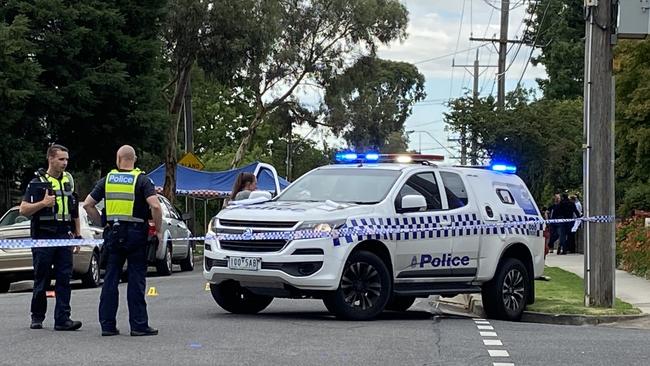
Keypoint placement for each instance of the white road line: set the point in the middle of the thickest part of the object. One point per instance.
(502, 364)
(498, 353)
(492, 342)
(485, 327)
(475, 319)
(481, 322)
(488, 334)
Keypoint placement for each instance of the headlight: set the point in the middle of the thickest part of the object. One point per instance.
(212, 225)
(322, 226)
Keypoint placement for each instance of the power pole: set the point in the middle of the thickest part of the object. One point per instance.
(503, 51)
(463, 131)
(599, 154)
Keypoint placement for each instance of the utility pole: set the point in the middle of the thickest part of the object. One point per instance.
(463, 131)
(599, 154)
(503, 50)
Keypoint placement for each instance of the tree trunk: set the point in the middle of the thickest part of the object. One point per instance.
(248, 138)
(171, 160)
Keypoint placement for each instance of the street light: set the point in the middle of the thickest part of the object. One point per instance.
(451, 155)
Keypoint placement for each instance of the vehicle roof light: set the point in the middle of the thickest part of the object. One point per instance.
(403, 159)
(504, 168)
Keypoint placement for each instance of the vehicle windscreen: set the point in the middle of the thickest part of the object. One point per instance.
(362, 186)
(9, 218)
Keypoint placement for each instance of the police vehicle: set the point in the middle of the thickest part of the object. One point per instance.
(440, 230)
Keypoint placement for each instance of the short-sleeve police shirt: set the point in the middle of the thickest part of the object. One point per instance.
(144, 188)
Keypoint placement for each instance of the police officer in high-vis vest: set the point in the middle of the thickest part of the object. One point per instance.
(130, 200)
(51, 202)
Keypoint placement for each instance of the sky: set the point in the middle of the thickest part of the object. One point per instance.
(438, 34)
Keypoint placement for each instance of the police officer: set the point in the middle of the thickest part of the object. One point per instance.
(128, 195)
(50, 200)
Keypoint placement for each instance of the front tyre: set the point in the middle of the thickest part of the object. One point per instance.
(504, 297)
(238, 300)
(364, 290)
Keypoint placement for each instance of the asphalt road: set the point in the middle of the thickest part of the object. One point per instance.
(195, 331)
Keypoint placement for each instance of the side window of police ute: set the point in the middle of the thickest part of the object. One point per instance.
(455, 190)
(423, 184)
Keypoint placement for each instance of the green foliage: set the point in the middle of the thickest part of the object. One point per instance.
(99, 81)
(273, 47)
(18, 85)
(633, 247)
(371, 100)
(558, 30)
(541, 137)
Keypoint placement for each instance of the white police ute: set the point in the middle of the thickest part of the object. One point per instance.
(381, 231)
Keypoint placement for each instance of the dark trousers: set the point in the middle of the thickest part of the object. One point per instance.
(564, 232)
(132, 248)
(555, 235)
(43, 259)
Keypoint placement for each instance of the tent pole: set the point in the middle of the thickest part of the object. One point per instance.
(205, 216)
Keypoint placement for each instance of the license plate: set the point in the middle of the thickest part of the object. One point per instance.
(244, 263)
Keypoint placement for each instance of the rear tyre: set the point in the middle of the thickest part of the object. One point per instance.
(164, 266)
(364, 290)
(400, 303)
(238, 300)
(188, 263)
(91, 278)
(504, 297)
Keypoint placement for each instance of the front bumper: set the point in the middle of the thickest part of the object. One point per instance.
(302, 271)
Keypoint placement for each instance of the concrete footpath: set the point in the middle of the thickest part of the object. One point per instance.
(629, 288)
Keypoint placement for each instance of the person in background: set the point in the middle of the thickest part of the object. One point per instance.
(241, 190)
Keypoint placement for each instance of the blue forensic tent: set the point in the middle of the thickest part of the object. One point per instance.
(207, 185)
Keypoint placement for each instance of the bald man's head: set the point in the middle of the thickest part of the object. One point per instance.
(126, 157)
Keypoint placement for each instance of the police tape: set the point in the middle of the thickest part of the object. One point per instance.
(345, 232)
(45, 243)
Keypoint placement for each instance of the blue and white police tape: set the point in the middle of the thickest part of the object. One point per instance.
(44, 243)
(345, 232)
(383, 230)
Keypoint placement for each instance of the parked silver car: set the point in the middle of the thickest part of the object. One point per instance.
(16, 264)
(176, 251)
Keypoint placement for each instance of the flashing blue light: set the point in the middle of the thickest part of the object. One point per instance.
(352, 157)
(372, 157)
(504, 168)
(346, 157)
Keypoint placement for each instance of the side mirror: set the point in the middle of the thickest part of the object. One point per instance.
(413, 203)
(262, 194)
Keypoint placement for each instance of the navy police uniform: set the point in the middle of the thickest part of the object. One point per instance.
(125, 237)
(52, 223)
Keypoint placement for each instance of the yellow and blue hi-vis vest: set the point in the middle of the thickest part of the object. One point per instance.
(120, 195)
(63, 190)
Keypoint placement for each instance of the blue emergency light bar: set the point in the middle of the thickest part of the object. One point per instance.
(348, 157)
(504, 168)
(352, 157)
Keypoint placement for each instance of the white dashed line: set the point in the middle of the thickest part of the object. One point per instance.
(488, 334)
(492, 342)
(484, 325)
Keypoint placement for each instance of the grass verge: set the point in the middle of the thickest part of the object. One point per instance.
(564, 294)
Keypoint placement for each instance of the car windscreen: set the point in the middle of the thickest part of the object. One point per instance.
(362, 186)
(9, 218)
